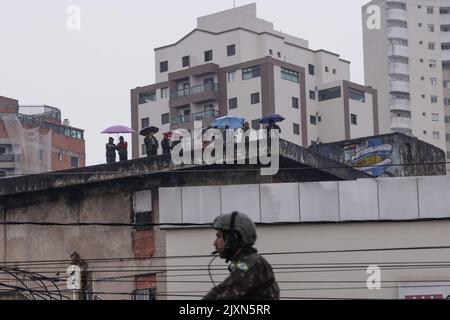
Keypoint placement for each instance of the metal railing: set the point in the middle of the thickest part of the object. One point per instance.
(6, 157)
(186, 92)
(205, 114)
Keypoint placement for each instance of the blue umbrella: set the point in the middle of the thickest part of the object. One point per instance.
(274, 117)
(230, 121)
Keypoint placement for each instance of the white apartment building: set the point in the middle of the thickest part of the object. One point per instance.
(407, 58)
(234, 63)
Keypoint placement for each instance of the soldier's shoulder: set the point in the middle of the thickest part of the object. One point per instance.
(250, 262)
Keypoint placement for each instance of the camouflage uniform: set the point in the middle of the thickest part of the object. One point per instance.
(251, 278)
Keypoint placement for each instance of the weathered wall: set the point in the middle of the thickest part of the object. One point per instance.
(392, 155)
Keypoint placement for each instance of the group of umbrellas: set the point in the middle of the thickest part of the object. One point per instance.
(229, 121)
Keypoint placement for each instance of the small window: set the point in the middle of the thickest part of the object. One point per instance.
(186, 61)
(279, 54)
(231, 50)
(447, 119)
(436, 135)
(431, 45)
(421, 60)
(232, 76)
(354, 119)
(165, 118)
(447, 137)
(208, 55)
(334, 71)
(295, 103)
(421, 42)
(74, 162)
(446, 101)
(290, 75)
(434, 99)
(254, 98)
(312, 95)
(311, 69)
(145, 122)
(250, 73)
(326, 69)
(446, 84)
(433, 81)
(435, 117)
(296, 129)
(431, 27)
(271, 52)
(163, 66)
(312, 120)
(59, 157)
(232, 103)
(420, 25)
(430, 10)
(423, 96)
(144, 294)
(357, 95)
(422, 78)
(164, 93)
(432, 63)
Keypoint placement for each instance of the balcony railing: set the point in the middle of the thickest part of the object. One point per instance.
(6, 157)
(180, 119)
(194, 90)
(205, 114)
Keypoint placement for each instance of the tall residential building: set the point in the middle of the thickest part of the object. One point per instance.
(407, 58)
(33, 139)
(234, 63)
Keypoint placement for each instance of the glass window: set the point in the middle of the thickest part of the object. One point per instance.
(290, 75)
(186, 61)
(312, 95)
(447, 119)
(208, 55)
(144, 294)
(354, 119)
(311, 69)
(447, 137)
(163, 66)
(356, 95)
(232, 103)
(164, 93)
(434, 99)
(145, 122)
(231, 50)
(254, 98)
(312, 120)
(74, 162)
(165, 118)
(295, 102)
(436, 135)
(328, 94)
(232, 76)
(435, 117)
(255, 124)
(431, 45)
(252, 72)
(296, 129)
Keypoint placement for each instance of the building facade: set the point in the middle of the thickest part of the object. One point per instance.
(407, 58)
(34, 140)
(234, 63)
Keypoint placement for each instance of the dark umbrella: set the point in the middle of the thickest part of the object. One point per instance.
(148, 130)
(274, 117)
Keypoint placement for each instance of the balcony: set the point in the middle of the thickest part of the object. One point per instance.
(6, 157)
(210, 87)
(398, 68)
(180, 120)
(397, 50)
(399, 86)
(397, 32)
(400, 105)
(401, 123)
(205, 114)
(396, 14)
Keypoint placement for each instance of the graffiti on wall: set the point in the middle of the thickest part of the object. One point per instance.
(371, 156)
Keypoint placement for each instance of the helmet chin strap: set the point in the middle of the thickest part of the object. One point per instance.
(231, 241)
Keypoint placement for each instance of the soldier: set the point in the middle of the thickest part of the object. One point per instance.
(111, 151)
(251, 276)
(151, 145)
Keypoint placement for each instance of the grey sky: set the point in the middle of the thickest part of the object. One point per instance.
(88, 73)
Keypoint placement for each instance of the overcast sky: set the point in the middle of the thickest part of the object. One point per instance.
(88, 73)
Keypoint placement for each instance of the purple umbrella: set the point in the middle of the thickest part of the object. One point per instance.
(118, 129)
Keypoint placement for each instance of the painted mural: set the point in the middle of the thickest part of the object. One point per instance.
(372, 156)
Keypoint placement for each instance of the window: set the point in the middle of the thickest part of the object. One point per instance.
(271, 52)
(436, 135)
(448, 157)
(232, 103)
(447, 119)
(433, 81)
(145, 122)
(254, 98)
(311, 69)
(421, 60)
(163, 66)
(144, 294)
(445, 28)
(290, 75)
(422, 78)
(400, 42)
(147, 97)
(354, 119)
(186, 61)
(432, 63)
(447, 137)
(208, 55)
(164, 93)
(445, 46)
(312, 120)
(334, 71)
(395, 59)
(231, 50)
(446, 84)
(420, 25)
(425, 132)
(279, 54)
(296, 129)
(252, 72)
(430, 10)
(326, 69)
(446, 101)
(312, 95)
(434, 99)
(328, 94)
(59, 157)
(431, 27)
(431, 45)
(165, 118)
(255, 124)
(444, 11)
(435, 117)
(232, 76)
(295, 103)
(421, 42)
(356, 95)
(73, 162)
(446, 65)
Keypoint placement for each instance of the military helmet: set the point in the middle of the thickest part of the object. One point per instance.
(243, 225)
